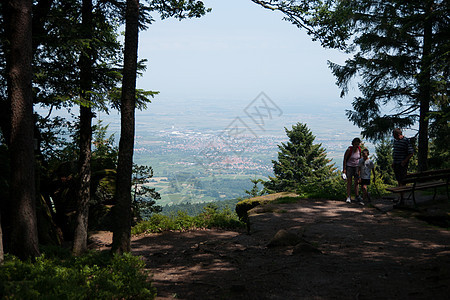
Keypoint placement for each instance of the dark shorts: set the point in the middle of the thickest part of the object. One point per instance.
(365, 181)
(351, 172)
(400, 172)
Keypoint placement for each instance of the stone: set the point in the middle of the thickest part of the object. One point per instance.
(304, 248)
(284, 238)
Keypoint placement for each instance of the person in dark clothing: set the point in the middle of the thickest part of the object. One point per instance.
(402, 153)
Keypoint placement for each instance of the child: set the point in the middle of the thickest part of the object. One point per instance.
(364, 168)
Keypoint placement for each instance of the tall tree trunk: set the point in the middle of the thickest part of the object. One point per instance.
(2, 257)
(40, 12)
(24, 234)
(122, 209)
(84, 163)
(425, 89)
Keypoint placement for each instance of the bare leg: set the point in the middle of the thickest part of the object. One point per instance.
(349, 186)
(365, 194)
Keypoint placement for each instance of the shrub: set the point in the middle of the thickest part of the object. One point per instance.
(210, 217)
(213, 217)
(334, 188)
(96, 275)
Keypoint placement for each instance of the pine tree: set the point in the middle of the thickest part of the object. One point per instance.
(384, 161)
(301, 164)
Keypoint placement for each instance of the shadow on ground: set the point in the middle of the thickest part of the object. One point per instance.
(366, 253)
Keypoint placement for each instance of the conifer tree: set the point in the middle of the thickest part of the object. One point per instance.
(301, 164)
(384, 161)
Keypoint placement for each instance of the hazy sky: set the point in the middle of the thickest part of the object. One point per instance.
(235, 52)
(211, 68)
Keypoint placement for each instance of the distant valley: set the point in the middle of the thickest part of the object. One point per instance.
(204, 150)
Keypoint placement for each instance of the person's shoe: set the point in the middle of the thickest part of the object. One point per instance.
(358, 198)
(348, 200)
(360, 202)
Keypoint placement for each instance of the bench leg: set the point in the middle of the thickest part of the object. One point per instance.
(448, 195)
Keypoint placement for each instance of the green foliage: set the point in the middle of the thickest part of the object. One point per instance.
(211, 217)
(383, 161)
(207, 186)
(377, 187)
(104, 151)
(302, 166)
(332, 188)
(316, 18)
(144, 197)
(61, 44)
(179, 9)
(391, 63)
(440, 136)
(400, 59)
(96, 275)
(193, 209)
(256, 191)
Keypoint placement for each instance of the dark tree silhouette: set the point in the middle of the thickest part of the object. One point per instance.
(122, 209)
(84, 160)
(24, 234)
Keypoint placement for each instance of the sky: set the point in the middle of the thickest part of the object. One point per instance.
(232, 54)
(222, 61)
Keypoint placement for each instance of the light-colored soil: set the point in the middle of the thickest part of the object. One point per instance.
(366, 253)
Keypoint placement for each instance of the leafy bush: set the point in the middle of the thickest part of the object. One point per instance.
(96, 275)
(334, 188)
(209, 218)
(377, 187)
(213, 217)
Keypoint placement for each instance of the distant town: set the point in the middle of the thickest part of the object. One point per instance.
(202, 166)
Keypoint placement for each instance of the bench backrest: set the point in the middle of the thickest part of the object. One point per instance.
(428, 176)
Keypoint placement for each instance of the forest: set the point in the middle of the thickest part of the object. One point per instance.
(59, 55)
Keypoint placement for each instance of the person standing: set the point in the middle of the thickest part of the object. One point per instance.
(365, 167)
(350, 166)
(401, 154)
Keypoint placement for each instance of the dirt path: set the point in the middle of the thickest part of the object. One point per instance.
(365, 254)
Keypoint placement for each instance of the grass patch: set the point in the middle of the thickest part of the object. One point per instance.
(242, 207)
(286, 200)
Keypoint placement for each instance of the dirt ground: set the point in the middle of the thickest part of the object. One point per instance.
(362, 252)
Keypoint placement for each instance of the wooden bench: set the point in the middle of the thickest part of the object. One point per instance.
(422, 181)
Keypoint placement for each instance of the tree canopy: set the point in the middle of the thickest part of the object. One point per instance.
(74, 56)
(400, 53)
